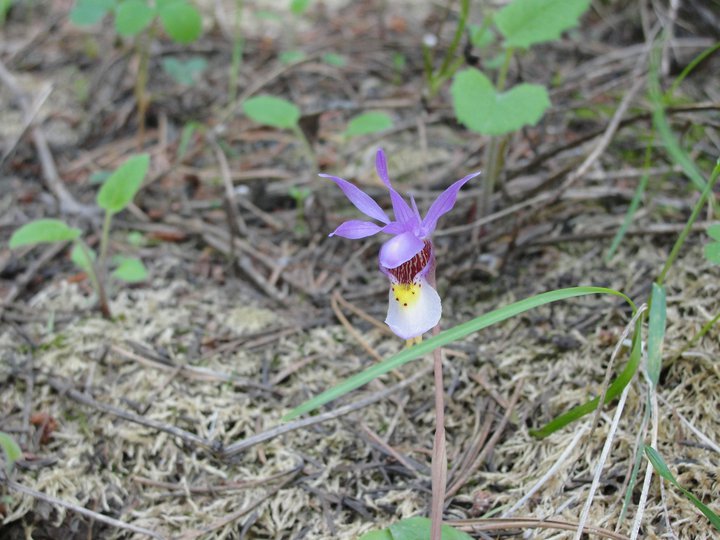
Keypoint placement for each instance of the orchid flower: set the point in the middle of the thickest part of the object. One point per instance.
(408, 258)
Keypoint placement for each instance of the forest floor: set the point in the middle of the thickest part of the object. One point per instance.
(166, 417)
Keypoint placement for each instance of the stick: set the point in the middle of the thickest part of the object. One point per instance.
(84, 511)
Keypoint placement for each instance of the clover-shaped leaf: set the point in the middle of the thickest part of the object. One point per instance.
(482, 109)
(132, 17)
(181, 20)
(527, 22)
(184, 72)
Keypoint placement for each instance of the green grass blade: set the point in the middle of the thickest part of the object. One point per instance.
(634, 204)
(662, 469)
(656, 333)
(444, 338)
(614, 390)
(663, 129)
(689, 68)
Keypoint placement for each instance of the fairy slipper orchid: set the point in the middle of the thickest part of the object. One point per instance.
(408, 258)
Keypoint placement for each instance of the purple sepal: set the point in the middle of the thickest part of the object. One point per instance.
(403, 212)
(360, 199)
(355, 229)
(443, 204)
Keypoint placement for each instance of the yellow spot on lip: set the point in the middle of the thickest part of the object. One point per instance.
(406, 294)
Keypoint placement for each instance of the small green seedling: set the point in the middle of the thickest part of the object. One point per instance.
(416, 528)
(115, 194)
(368, 123)
(138, 19)
(488, 108)
(300, 195)
(184, 72)
(11, 450)
(278, 113)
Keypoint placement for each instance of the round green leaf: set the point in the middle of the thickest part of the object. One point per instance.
(181, 21)
(132, 17)
(482, 109)
(120, 189)
(272, 111)
(369, 122)
(130, 270)
(43, 231)
(526, 22)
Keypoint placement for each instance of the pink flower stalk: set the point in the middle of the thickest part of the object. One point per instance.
(408, 258)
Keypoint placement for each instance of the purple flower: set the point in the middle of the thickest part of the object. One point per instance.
(407, 259)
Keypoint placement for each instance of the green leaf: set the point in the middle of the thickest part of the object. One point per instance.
(369, 122)
(662, 126)
(185, 137)
(482, 109)
(122, 186)
(377, 535)
(42, 231)
(272, 111)
(481, 36)
(527, 22)
(89, 12)
(444, 338)
(712, 252)
(656, 333)
(714, 231)
(662, 469)
(132, 17)
(79, 256)
(334, 59)
(290, 57)
(181, 21)
(613, 391)
(298, 7)
(416, 528)
(11, 449)
(130, 270)
(186, 72)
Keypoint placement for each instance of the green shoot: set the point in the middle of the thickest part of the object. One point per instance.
(116, 193)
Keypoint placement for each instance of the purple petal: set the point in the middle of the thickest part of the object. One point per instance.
(360, 199)
(443, 204)
(400, 249)
(381, 166)
(403, 212)
(395, 228)
(355, 228)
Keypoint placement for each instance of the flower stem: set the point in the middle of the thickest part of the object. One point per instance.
(143, 42)
(307, 147)
(439, 455)
(96, 281)
(237, 51)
